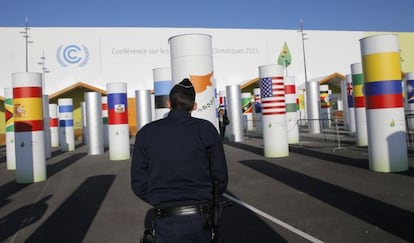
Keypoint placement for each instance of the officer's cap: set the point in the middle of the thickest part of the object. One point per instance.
(185, 87)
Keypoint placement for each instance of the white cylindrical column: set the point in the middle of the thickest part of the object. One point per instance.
(257, 111)
(162, 88)
(325, 109)
(85, 137)
(345, 108)
(222, 99)
(312, 105)
(351, 109)
(361, 132)
(93, 107)
(10, 140)
(235, 131)
(143, 106)
(104, 101)
(272, 92)
(191, 57)
(118, 129)
(28, 127)
(54, 125)
(66, 131)
(292, 115)
(247, 109)
(302, 107)
(46, 126)
(387, 150)
(409, 110)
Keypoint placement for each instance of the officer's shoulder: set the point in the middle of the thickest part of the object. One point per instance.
(203, 122)
(152, 124)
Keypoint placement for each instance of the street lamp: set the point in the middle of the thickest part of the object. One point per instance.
(26, 36)
(303, 47)
(44, 69)
(312, 93)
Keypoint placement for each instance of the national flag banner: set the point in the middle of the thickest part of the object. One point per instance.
(257, 101)
(161, 93)
(384, 94)
(8, 106)
(324, 98)
(272, 92)
(410, 91)
(104, 107)
(117, 107)
(350, 94)
(284, 57)
(27, 109)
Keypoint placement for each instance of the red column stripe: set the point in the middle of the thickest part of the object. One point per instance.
(28, 126)
(264, 102)
(104, 106)
(53, 122)
(115, 118)
(384, 101)
(27, 92)
(274, 113)
(275, 106)
(290, 89)
(359, 102)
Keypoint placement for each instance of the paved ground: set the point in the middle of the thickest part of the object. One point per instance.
(330, 196)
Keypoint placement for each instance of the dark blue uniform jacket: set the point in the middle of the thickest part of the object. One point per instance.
(176, 159)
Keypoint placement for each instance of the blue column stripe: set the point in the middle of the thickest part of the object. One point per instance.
(383, 87)
(65, 123)
(162, 87)
(117, 98)
(65, 108)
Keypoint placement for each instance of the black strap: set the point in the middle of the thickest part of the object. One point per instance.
(202, 209)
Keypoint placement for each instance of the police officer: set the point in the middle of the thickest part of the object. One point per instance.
(174, 163)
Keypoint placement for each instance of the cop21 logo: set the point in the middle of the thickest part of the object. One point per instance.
(67, 55)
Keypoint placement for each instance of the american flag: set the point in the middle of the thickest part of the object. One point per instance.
(272, 91)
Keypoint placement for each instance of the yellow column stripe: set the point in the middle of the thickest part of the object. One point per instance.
(357, 90)
(382, 66)
(28, 109)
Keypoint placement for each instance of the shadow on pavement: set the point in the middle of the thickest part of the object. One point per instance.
(12, 187)
(239, 224)
(22, 217)
(71, 221)
(358, 163)
(390, 218)
(249, 148)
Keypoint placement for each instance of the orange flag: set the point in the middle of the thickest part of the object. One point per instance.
(200, 83)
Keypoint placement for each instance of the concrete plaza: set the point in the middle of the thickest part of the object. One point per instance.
(316, 194)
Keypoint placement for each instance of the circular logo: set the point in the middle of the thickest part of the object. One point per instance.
(72, 55)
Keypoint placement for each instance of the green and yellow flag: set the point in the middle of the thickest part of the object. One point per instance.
(284, 58)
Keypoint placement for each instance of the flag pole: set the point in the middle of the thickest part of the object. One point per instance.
(284, 58)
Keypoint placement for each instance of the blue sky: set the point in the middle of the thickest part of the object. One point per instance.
(367, 15)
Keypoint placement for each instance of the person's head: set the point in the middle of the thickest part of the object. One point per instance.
(182, 96)
(221, 111)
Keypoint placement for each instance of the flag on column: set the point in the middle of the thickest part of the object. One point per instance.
(273, 96)
(284, 58)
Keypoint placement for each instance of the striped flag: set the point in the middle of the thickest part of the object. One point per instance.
(350, 94)
(8, 106)
(272, 91)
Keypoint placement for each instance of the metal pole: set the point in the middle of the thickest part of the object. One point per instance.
(27, 42)
(303, 48)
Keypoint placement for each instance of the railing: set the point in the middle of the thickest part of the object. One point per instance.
(332, 132)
